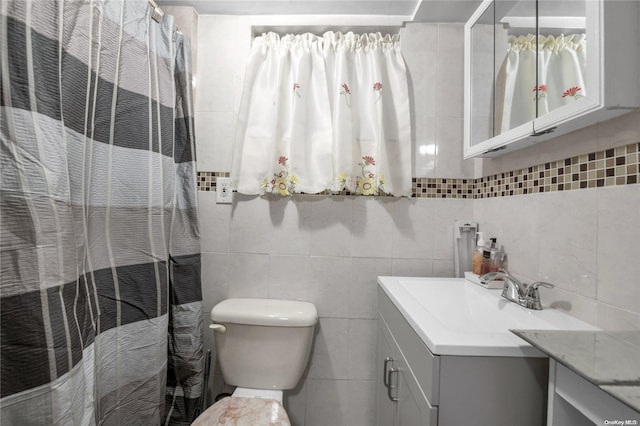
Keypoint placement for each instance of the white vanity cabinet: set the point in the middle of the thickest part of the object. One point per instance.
(406, 391)
(535, 69)
(417, 388)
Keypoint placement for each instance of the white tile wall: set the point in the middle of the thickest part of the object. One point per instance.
(289, 277)
(329, 286)
(412, 268)
(371, 227)
(568, 238)
(251, 229)
(363, 286)
(414, 230)
(618, 247)
(291, 221)
(214, 132)
(331, 218)
(434, 57)
(330, 350)
(214, 232)
(584, 241)
(362, 342)
(329, 250)
(248, 275)
(362, 403)
(327, 402)
(352, 241)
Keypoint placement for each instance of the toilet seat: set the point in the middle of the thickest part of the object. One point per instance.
(241, 411)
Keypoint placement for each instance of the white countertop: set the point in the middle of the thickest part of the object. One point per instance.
(456, 317)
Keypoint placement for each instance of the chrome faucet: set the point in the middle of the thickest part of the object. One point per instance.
(516, 291)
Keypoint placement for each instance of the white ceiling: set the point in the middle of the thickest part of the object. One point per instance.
(446, 10)
(424, 10)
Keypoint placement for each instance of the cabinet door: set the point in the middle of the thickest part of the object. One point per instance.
(386, 359)
(569, 55)
(495, 115)
(413, 408)
(400, 400)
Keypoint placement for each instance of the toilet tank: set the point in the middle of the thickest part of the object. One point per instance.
(267, 342)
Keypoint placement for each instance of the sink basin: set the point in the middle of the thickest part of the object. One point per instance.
(456, 317)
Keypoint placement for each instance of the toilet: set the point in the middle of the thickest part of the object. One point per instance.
(263, 347)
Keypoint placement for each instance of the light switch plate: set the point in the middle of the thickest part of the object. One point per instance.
(224, 193)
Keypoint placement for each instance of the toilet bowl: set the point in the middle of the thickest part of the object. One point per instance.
(263, 347)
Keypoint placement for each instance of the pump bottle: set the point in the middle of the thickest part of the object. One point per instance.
(481, 246)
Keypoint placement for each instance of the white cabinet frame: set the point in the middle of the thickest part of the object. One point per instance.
(613, 79)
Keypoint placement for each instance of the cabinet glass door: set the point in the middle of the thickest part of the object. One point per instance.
(517, 90)
(503, 59)
(562, 54)
(482, 75)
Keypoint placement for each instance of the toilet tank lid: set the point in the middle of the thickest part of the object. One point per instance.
(267, 312)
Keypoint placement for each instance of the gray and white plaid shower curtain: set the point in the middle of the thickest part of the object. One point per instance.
(100, 298)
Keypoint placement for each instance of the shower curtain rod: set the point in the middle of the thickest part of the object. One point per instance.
(157, 12)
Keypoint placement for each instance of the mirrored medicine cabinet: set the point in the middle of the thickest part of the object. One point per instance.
(535, 69)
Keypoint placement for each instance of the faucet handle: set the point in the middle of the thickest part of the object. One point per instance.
(534, 286)
(532, 295)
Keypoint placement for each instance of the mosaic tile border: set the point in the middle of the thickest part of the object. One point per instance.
(442, 188)
(207, 180)
(611, 167)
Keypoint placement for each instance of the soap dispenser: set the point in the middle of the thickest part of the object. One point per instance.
(481, 246)
(499, 261)
(488, 257)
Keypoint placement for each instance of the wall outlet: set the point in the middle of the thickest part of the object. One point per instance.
(224, 193)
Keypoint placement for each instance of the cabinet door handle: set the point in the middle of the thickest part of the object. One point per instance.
(392, 387)
(387, 360)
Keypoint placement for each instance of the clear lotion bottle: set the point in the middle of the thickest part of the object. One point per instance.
(481, 246)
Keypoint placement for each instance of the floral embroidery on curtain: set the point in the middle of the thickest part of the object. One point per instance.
(561, 74)
(282, 181)
(326, 113)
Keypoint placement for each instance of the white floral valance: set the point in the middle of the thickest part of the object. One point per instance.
(324, 113)
(539, 74)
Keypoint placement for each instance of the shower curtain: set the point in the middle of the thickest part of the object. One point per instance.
(100, 298)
